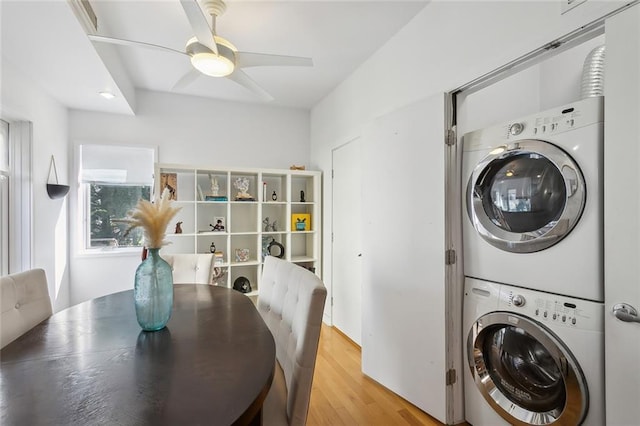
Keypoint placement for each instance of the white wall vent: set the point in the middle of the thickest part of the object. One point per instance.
(85, 15)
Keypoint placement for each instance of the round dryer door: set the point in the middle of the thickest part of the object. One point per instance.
(525, 372)
(525, 196)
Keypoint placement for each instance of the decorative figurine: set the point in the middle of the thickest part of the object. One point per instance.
(218, 227)
(274, 196)
(269, 225)
(242, 185)
(280, 248)
(214, 185)
(212, 247)
(242, 284)
(178, 228)
(302, 197)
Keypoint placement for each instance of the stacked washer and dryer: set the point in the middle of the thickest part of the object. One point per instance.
(533, 261)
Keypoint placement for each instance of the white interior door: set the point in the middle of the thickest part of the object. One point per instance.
(622, 215)
(346, 281)
(403, 274)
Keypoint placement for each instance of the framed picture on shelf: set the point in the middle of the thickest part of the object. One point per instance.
(242, 254)
(170, 182)
(300, 222)
(219, 224)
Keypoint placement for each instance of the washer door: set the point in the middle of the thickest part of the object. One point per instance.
(526, 196)
(525, 372)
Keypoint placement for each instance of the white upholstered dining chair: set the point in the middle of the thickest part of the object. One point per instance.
(25, 303)
(291, 301)
(191, 268)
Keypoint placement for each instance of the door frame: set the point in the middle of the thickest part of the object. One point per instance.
(333, 281)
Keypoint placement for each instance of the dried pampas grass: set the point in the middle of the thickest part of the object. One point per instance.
(153, 218)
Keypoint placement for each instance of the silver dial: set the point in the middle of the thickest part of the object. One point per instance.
(518, 300)
(516, 128)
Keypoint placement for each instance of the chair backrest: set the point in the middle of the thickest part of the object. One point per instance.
(191, 268)
(291, 301)
(25, 303)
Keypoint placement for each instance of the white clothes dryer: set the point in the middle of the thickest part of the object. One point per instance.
(532, 358)
(534, 204)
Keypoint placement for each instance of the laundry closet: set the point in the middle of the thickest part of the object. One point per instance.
(532, 237)
(540, 171)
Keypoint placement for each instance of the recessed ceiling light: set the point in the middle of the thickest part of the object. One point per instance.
(106, 94)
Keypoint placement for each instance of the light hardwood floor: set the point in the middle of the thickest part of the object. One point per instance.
(342, 395)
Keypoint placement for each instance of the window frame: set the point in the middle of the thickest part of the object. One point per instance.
(5, 175)
(4, 224)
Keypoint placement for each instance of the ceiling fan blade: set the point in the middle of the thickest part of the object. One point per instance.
(199, 24)
(123, 42)
(247, 82)
(187, 79)
(247, 59)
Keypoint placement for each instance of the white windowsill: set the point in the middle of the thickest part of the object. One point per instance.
(110, 252)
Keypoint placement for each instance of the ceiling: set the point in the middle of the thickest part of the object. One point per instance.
(44, 40)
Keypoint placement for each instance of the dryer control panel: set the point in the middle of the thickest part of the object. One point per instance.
(554, 121)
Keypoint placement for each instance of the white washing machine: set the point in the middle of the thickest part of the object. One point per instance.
(532, 358)
(534, 204)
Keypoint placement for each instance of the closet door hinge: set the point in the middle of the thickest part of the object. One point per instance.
(450, 377)
(450, 257)
(450, 138)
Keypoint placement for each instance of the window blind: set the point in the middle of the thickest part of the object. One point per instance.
(115, 164)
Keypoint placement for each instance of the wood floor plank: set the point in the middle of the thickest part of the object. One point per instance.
(342, 395)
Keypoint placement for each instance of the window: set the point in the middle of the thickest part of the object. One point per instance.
(4, 197)
(113, 179)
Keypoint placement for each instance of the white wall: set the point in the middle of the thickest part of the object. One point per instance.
(445, 46)
(187, 130)
(23, 100)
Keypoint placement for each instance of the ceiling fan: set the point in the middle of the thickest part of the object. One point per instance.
(213, 55)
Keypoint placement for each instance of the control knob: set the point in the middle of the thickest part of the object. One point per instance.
(518, 300)
(516, 128)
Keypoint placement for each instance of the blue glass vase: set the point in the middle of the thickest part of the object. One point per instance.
(153, 292)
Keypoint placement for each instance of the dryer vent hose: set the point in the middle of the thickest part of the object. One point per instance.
(593, 74)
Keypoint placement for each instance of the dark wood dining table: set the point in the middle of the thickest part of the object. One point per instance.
(92, 364)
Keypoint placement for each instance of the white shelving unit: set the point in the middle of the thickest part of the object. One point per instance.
(297, 192)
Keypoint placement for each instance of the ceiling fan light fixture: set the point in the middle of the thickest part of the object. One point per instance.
(207, 62)
(212, 64)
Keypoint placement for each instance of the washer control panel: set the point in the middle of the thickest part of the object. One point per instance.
(552, 309)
